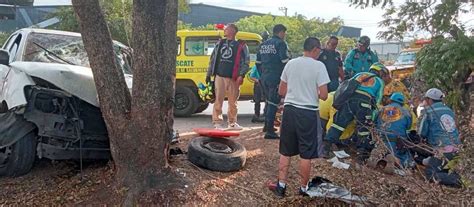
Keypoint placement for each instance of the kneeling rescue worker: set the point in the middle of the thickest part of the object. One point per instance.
(439, 129)
(394, 122)
(360, 105)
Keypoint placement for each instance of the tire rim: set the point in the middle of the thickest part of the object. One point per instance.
(5, 154)
(218, 147)
(181, 101)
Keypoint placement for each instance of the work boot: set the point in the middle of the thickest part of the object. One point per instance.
(257, 119)
(265, 129)
(271, 135)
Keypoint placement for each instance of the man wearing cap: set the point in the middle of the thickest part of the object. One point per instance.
(359, 59)
(393, 122)
(273, 55)
(438, 127)
(229, 63)
(360, 106)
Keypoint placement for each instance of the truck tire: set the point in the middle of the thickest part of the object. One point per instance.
(18, 159)
(217, 154)
(202, 108)
(186, 101)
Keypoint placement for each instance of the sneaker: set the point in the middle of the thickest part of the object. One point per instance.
(257, 119)
(235, 126)
(271, 135)
(219, 126)
(277, 189)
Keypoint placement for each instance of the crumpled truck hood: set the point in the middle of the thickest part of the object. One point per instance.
(399, 67)
(76, 80)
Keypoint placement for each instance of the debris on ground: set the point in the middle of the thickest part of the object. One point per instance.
(60, 183)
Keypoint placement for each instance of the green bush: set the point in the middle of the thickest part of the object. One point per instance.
(3, 37)
(446, 64)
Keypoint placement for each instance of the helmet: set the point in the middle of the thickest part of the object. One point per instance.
(398, 97)
(206, 92)
(379, 67)
(364, 40)
(265, 35)
(435, 94)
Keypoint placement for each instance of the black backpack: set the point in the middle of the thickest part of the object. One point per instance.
(346, 90)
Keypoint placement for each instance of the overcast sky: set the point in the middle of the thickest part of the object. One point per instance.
(367, 19)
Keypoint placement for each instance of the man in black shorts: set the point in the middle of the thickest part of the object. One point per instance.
(303, 82)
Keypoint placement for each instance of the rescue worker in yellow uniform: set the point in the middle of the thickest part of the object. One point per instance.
(327, 112)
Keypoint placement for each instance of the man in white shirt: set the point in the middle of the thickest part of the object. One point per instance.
(303, 82)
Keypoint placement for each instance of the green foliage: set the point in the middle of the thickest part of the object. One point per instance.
(370, 3)
(446, 64)
(118, 14)
(415, 16)
(3, 37)
(299, 28)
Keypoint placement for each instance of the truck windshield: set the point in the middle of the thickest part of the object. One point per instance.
(406, 58)
(68, 49)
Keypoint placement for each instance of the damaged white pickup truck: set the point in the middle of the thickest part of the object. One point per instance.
(48, 100)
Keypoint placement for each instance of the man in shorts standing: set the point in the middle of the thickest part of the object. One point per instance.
(303, 82)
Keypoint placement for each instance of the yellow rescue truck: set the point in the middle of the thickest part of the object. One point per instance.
(192, 62)
(405, 64)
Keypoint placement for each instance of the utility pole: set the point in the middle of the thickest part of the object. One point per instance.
(284, 10)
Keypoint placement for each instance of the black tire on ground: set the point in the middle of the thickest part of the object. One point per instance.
(200, 154)
(202, 107)
(20, 156)
(186, 101)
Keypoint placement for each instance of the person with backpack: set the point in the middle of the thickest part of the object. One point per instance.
(359, 59)
(228, 64)
(358, 104)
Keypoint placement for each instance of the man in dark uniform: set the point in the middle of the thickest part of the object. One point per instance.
(333, 62)
(258, 95)
(273, 55)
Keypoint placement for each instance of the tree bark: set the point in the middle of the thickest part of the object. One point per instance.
(154, 65)
(139, 127)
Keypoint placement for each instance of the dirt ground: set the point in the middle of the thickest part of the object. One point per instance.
(61, 183)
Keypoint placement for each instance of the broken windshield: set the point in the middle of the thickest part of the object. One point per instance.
(68, 49)
(406, 58)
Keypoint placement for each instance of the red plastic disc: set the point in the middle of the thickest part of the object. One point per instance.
(215, 133)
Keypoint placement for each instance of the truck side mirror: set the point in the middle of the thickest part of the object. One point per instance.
(4, 57)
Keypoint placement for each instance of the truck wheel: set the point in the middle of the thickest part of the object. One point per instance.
(186, 101)
(202, 108)
(18, 159)
(218, 154)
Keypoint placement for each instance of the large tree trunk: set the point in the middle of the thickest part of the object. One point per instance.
(154, 65)
(139, 127)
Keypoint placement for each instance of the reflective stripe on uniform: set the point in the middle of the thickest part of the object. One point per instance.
(366, 105)
(363, 133)
(273, 104)
(338, 127)
(258, 62)
(363, 93)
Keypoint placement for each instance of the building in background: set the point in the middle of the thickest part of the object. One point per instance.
(388, 51)
(24, 14)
